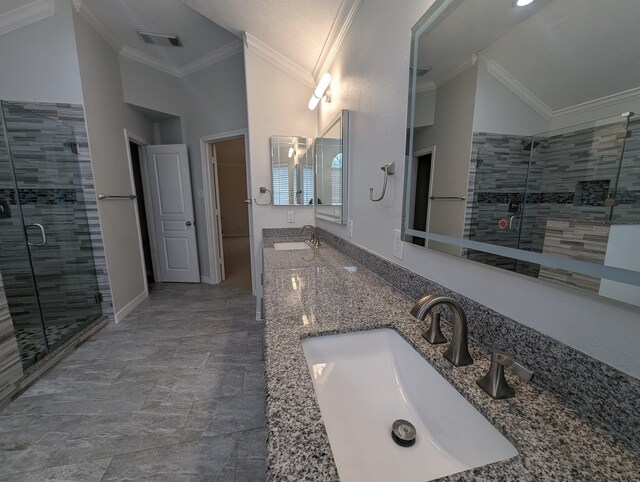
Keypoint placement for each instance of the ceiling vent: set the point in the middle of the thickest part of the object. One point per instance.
(168, 40)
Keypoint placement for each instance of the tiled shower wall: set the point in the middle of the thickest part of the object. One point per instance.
(67, 192)
(571, 175)
(10, 366)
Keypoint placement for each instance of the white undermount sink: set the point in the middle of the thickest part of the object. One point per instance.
(291, 246)
(365, 381)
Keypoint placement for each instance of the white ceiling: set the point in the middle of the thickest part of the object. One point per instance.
(198, 34)
(298, 29)
(574, 51)
(565, 52)
(469, 27)
(300, 36)
(8, 5)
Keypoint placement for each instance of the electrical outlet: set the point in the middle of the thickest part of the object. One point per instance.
(291, 217)
(398, 245)
(350, 227)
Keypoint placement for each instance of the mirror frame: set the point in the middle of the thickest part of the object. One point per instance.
(342, 116)
(434, 14)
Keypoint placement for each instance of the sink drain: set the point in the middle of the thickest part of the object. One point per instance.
(403, 433)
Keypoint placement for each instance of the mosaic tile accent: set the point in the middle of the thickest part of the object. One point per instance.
(591, 193)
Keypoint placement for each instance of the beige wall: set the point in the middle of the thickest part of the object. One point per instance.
(451, 133)
(232, 173)
(107, 116)
(277, 105)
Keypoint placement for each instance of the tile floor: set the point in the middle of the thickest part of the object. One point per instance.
(174, 392)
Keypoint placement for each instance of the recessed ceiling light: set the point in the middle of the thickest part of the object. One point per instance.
(523, 3)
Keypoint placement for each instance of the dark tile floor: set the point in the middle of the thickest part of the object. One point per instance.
(174, 392)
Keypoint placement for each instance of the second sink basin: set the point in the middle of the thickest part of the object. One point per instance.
(367, 380)
(291, 245)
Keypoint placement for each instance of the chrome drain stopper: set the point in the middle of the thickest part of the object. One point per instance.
(403, 433)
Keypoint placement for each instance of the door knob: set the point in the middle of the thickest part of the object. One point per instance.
(247, 201)
(188, 223)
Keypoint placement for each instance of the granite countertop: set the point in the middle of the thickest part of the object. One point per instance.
(325, 292)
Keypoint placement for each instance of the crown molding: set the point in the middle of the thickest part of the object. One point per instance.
(341, 24)
(468, 62)
(425, 86)
(149, 61)
(278, 60)
(606, 101)
(96, 23)
(203, 62)
(211, 58)
(524, 94)
(25, 15)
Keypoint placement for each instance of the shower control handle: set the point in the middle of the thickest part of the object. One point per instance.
(44, 235)
(514, 223)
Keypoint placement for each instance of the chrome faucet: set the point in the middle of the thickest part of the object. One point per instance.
(458, 350)
(315, 239)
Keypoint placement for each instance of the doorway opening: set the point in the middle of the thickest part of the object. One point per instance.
(422, 178)
(230, 211)
(136, 151)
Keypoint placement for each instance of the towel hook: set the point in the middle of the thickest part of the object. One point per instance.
(264, 190)
(389, 170)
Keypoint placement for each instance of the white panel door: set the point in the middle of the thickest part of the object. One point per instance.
(175, 233)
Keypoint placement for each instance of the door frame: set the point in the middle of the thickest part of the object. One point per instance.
(423, 152)
(209, 188)
(141, 142)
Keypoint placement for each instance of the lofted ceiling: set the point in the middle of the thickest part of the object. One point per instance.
(467, 28)
(574, 51)
(299, 36)
(198, 34)
(283, 29)
(298, 29)
(8, 5)
(561, 53)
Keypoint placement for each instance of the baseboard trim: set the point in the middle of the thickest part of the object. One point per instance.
(207, 280)
(129, 307)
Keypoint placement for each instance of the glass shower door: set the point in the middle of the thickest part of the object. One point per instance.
(48, 180)
(15, 265)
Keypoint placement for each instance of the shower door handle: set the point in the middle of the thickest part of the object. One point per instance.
(44, 235)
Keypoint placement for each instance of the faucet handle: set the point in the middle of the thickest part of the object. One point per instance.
(494, 383)
(433, 334)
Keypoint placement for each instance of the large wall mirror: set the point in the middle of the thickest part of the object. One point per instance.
(523, 149)
(292, 173)
(332, 152)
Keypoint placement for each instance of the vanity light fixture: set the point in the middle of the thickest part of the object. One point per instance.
(321, 91)
(522, 3)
